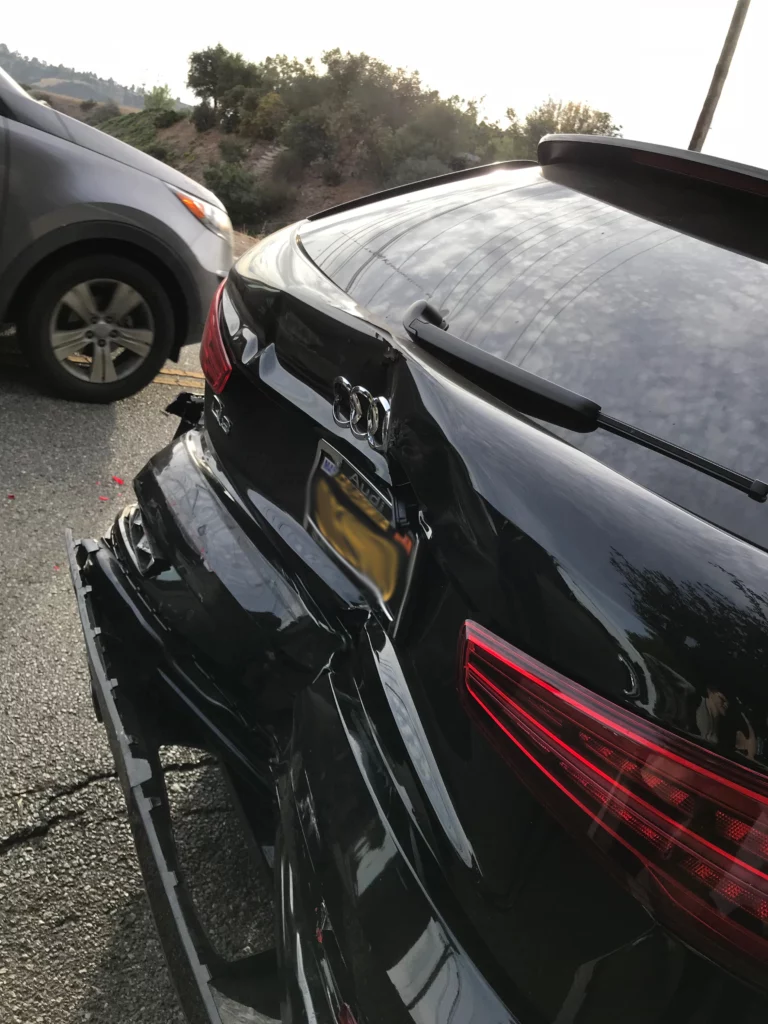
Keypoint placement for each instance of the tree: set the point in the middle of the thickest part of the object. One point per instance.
(556, 117)
(159, 98)
(266, 121)
(230, 108)
(205, 72)
(215, 71)
(359, 117)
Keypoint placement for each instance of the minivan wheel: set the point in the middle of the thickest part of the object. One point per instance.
(98, 328)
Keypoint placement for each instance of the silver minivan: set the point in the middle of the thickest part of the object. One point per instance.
(108, 258)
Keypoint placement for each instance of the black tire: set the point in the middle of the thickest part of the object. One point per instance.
(35, 325)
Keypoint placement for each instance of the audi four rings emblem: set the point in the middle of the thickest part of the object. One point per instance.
(367, 417)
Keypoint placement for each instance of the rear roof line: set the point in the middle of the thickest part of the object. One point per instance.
(606, 151)
(415, 186)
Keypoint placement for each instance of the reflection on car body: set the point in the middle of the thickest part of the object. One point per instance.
(490, 690)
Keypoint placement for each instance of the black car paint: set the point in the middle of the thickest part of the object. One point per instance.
(418, 879)
(659, 328)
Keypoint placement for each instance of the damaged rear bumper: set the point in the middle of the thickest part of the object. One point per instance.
(211, 990)
(203, 609)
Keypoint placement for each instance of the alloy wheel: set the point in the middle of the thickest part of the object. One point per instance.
(101, 330)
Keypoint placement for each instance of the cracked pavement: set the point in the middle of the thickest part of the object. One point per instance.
(77, 942)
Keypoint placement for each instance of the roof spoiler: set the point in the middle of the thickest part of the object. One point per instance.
(719, 201)
(606, 151)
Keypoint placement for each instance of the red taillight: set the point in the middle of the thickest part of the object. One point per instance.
(686, 829)
(213, 355)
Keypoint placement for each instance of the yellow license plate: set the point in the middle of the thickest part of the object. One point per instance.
(353, 519)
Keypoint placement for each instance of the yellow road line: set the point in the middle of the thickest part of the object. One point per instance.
(165, 372)
(191, 379)
(178, 382)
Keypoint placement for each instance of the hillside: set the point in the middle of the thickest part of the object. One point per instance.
(65, 81)
(72, 107)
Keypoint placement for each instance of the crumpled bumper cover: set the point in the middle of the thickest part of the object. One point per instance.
(211, 989)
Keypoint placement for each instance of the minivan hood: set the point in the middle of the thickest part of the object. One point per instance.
(99, 142)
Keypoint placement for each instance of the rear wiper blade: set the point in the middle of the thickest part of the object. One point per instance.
(528, 393)
(525, 391)
(751, 486)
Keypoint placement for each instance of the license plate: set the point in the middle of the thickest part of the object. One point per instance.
(353, 519)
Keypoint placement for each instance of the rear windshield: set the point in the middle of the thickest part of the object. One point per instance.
(663, 330)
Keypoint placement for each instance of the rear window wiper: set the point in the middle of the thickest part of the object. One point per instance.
(545, 400)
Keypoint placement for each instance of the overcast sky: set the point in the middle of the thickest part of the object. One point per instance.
(648, 62)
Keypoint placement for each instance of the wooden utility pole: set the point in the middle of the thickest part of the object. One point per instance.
(718, 79)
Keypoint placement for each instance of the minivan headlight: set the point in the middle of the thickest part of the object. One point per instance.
(211, 216)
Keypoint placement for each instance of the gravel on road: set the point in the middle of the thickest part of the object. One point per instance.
(77, 941)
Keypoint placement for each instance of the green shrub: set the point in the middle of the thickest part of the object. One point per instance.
(162, 152)
(87, 105)
(287, 166)
(416, 169)
(307, 135)
(105, 112)
(203, 117)
(166, 118)
(330, 173)
(266, 120)
(159, 98)
(274, 196)
(232, 151)
(250, 202)
(136, 129)
(236, 188)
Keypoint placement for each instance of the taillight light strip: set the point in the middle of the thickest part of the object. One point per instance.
(685, 828)
(612, 782)
(590, 704)
(214, 358)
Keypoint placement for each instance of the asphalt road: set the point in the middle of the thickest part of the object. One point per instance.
(77, 942)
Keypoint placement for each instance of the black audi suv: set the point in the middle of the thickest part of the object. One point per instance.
(460, 570)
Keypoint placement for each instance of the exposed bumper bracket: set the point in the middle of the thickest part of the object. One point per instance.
(189, 408)
(211, 990)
